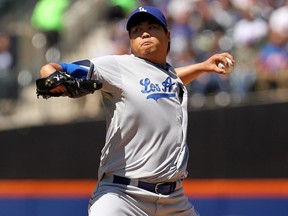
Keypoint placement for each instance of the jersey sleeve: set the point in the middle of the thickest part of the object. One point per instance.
(106, 70)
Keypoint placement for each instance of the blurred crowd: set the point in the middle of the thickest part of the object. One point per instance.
(254, 31)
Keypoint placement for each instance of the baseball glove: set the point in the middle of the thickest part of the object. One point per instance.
(76, 87)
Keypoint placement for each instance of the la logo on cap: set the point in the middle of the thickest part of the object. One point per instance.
(142, 9)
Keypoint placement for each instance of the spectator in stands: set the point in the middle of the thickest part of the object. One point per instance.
(248, 34)
(205, 41)
(8, 89)
(6, 58)
(273, 59)
(47, 17)
(6, 61)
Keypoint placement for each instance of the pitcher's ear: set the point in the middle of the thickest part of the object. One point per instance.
(169, 35)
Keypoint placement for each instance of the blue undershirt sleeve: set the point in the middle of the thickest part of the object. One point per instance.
(74, 70)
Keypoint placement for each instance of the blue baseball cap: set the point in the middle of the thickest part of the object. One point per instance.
(146, 10)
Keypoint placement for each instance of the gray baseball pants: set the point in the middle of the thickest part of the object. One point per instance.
(110, 199)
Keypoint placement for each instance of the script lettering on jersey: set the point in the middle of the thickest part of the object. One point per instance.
(156, 91)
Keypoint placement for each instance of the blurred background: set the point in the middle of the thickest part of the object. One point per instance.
(36, 32)
(237, 129)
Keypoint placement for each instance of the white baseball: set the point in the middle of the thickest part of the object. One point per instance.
(228, 69)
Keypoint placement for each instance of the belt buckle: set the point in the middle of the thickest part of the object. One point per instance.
(170, 187)
(156, 187)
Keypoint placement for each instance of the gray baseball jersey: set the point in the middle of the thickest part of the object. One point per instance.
(146, 109)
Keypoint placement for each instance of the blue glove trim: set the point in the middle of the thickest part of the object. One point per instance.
(75, 70)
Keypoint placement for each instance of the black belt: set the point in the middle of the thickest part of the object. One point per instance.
(160, 188)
